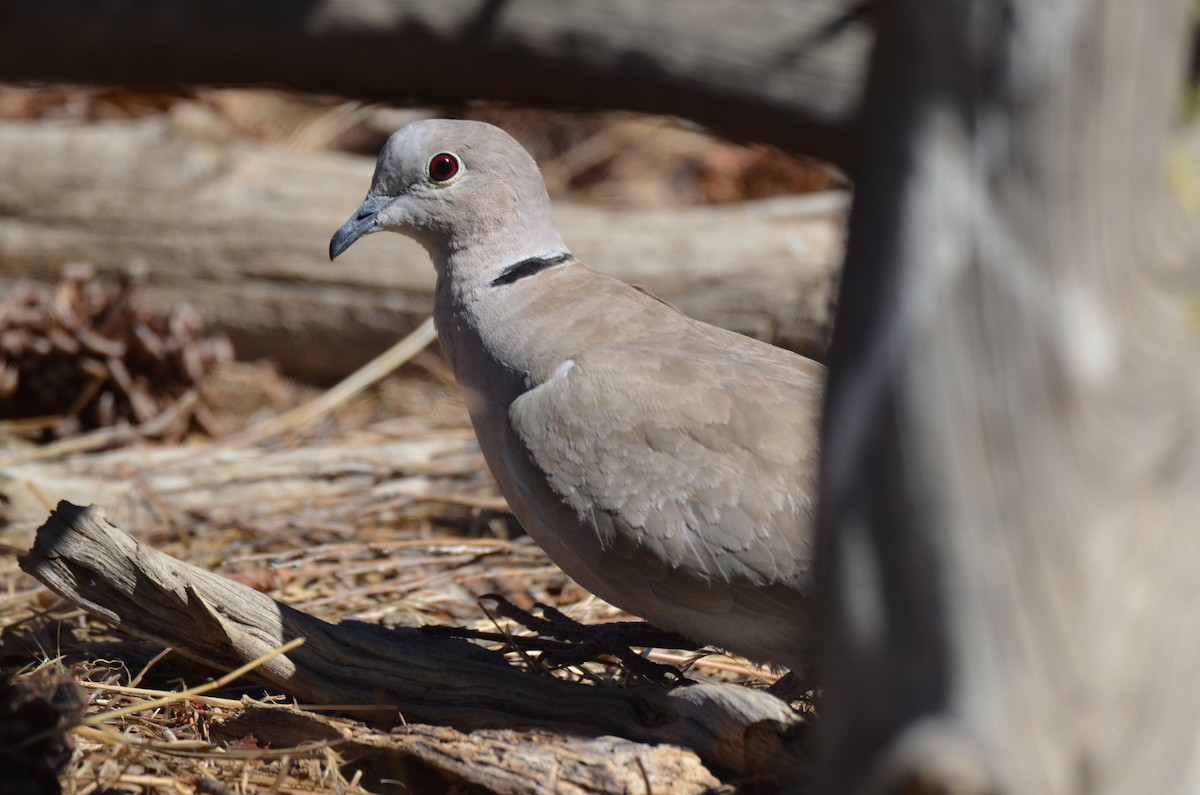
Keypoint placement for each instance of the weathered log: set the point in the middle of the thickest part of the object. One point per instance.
(81, 556)
(776, 71)
(214, 485)
(505, 761)
(241, 232)
(1011, 481)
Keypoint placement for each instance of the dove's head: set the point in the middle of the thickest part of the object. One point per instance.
(463, 189)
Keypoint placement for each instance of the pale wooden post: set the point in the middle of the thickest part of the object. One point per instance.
(1010, 523)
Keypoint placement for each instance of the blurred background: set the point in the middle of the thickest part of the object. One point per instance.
(209, 208)
(170, 322)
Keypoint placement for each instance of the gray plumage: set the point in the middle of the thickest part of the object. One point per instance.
(665, 464)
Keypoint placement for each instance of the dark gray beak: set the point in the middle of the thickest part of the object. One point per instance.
(363, 222)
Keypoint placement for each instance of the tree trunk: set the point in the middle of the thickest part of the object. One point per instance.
(777, 71)
(1011, 479)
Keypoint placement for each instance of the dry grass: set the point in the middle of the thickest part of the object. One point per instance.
(418, 558)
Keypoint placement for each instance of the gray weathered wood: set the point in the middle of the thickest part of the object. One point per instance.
(775, 70)
(241, 232)
(503, 761)
(1012, 476)
(222, 623)
(214, 484)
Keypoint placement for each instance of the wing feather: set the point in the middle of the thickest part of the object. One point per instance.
(687, 469)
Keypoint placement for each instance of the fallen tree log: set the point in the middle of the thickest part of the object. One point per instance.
(221, 623)
(505, 761)
(338, 482)
(241, 232)
(781, 72)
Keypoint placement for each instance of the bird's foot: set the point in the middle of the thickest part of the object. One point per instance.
(788, 687)
(589, 641)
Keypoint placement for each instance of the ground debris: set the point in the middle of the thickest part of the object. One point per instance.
(37, 712)
(86, 357)
(512, 731)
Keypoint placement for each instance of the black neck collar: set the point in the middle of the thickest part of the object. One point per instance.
(528, 267)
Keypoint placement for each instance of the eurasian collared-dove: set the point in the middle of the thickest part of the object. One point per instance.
(665, 464)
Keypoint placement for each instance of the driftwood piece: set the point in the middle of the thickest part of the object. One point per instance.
(506, 761)
(1011, 483)
(777, 71)
(81, 556)
(241, 232)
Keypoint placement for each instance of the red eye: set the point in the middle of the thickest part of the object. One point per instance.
(443, 166)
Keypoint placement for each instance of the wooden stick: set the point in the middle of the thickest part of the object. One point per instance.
(81, 556)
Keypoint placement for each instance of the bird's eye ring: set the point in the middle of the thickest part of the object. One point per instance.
(443, 166)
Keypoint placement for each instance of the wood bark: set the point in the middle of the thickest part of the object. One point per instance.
(81, 556)
(775, 71)
(1011, 479)
(241, 232)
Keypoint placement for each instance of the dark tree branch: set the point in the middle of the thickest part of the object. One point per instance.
(777, 71)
